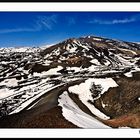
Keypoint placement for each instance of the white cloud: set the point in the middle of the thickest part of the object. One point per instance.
(42, 22)
(47, 22)
(3, 31)
(116, 21)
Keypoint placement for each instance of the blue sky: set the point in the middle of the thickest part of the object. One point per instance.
(40, 28)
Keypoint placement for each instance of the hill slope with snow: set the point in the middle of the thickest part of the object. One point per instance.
(85, 70)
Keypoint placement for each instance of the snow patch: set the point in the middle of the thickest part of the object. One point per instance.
(5, 92)
(74, 114)
(92, 68)
(128, 74)
(133, 52)
(85, 47)
(54, 71)
(107, 63)
(76, 69)
(83, 90)
(71, 49)
(103, 105)
(26, 103)
(97, 39)
(9, 82)
(95, 61)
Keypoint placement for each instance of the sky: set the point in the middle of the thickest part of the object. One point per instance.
(33, 29)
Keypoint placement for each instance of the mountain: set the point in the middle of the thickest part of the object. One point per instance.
(89, 82)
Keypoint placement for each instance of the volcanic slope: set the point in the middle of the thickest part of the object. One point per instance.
(89, 82)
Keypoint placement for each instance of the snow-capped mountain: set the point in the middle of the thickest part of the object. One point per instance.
(81, 71)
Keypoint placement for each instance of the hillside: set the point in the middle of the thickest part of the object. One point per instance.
(86, 82)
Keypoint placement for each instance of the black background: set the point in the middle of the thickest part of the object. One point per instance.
(69, 1)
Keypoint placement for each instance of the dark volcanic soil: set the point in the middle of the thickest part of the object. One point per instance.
(44, 114)
(52, 118)
(122, 103)
(37, 71)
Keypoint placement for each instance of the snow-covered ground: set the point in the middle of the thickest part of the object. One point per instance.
(85, 94)
(5, 92)
(25, 104)
(9, 82)
(130, 74)
(74, 114)
(53, 71)
(77, 60)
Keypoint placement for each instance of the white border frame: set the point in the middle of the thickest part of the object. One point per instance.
(69, 133)
(69, 6)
